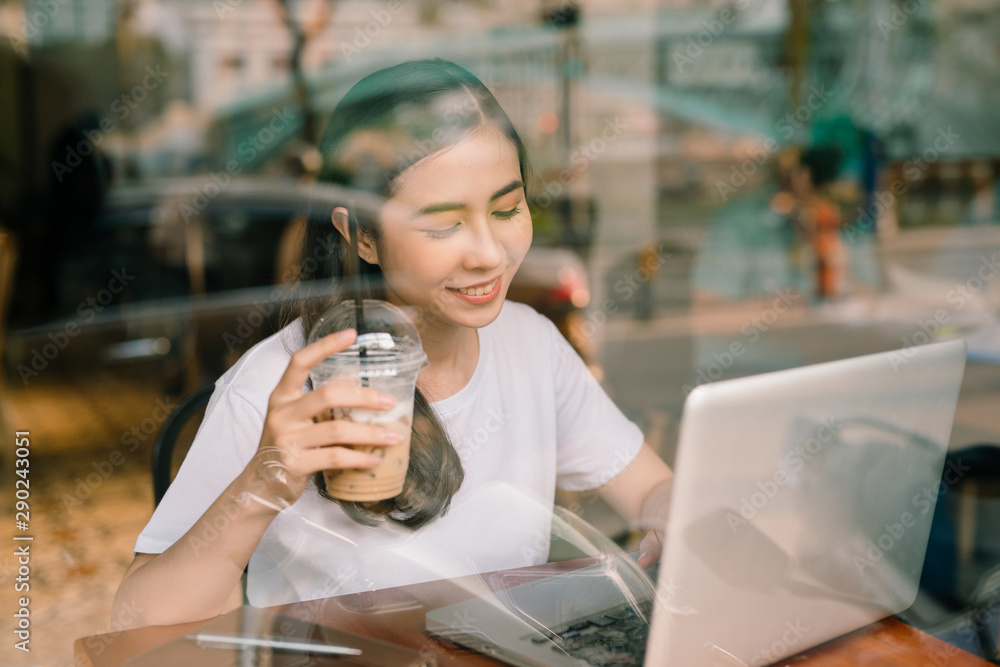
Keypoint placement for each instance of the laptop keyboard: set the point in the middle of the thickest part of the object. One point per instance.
(613, 638)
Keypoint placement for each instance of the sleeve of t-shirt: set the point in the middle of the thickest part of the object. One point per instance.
(595, 441)
(226, 441)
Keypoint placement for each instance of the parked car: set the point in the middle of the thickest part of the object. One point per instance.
(182, 277)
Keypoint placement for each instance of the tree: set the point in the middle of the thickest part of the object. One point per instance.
(302, 33)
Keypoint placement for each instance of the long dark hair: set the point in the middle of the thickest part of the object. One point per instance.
(388, 121)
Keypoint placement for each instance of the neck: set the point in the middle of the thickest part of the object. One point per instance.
(446, 345)
(452, 351)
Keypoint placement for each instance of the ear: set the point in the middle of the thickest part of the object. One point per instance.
(366, 249)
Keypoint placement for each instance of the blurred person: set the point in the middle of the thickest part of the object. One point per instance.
(79, 179)
(818, 217)
(454, 219)
(649, 261)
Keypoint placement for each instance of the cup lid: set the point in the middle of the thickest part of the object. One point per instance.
(388, 330)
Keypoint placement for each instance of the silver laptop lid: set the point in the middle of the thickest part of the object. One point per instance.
(802, 505)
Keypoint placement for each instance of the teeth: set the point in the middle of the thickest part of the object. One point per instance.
(478, 291)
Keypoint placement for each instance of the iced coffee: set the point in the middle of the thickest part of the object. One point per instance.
(386, 479)
(387, 357)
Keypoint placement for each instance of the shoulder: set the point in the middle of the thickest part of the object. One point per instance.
(255, 375)
(522, 333)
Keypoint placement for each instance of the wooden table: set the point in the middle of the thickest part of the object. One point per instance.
(397, 615)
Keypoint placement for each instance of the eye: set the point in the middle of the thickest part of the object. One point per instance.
(443, 233)
(507, 215)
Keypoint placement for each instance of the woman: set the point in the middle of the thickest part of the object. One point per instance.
(505, 411)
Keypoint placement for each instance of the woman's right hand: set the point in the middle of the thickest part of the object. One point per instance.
(293, 446)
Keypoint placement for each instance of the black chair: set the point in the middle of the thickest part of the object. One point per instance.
(960, 582)
(163, 448)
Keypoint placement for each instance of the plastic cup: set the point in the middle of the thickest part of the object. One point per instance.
(387, 358)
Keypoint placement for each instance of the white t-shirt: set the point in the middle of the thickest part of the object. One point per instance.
(532, 417)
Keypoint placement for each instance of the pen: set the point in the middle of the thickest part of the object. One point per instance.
(217, 641)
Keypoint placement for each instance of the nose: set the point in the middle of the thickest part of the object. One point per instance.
(486, 249)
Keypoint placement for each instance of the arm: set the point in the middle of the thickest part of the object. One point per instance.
(641, 494)
(193, 579)
(586, 421)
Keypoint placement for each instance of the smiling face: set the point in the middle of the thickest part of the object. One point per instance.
(455, 231)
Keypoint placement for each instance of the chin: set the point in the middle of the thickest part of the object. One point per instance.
(482, 316)
(455, 314)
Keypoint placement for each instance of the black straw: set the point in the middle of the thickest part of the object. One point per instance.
(359, 311)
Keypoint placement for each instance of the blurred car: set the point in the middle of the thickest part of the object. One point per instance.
(180, 278)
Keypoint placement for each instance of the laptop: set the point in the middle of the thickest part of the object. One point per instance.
(801, 511)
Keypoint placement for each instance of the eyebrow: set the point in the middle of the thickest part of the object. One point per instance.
(453, 206)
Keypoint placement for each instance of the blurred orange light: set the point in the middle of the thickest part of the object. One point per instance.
(548, 122)
(567, 276)
(580, 297)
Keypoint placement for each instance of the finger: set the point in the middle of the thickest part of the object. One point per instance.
(336, 458)
(649, 550)
(343, 432)
(338, 395)
(290, 385)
